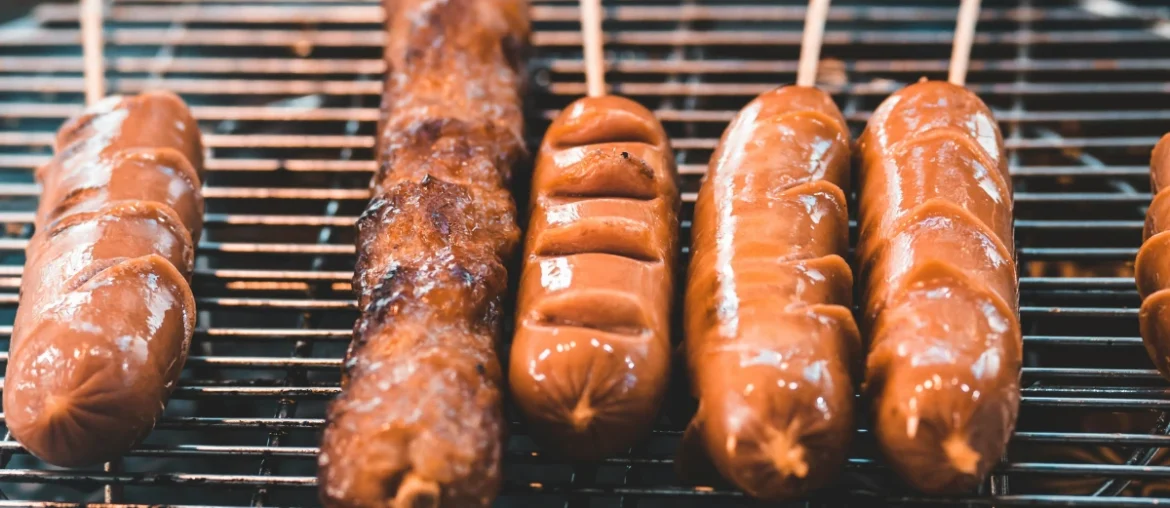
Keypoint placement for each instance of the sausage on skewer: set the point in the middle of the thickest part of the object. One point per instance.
(106, 312)
(771, 340)
(940, 299)
(419, 421)
(591, 356)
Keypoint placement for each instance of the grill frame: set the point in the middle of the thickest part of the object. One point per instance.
(290, 125)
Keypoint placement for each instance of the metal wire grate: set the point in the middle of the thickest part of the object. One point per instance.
(286, 91)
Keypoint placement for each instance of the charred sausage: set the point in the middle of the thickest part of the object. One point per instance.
(936, 251)
(106, 312)
(1153, 278)
(591, 354)
(419, 421)
(770, 337)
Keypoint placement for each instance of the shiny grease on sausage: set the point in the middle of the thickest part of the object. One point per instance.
(770, 337)
(106, 312)
(419, 422)
(1152, 268)
(591, 355)
(936, 252)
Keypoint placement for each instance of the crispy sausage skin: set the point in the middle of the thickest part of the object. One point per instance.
(591, 354)
(106, 312)
(1153, 278)
(936, 252)
(770, 337)
(419, 422)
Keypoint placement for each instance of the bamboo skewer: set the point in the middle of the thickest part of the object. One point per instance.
(964, 36)
(592, 44)
(810, 44)
(92, 42)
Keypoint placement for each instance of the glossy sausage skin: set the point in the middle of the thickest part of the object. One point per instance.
(770, 337)
(936, 252)
(419, 422)
(1152, 268)
(106, 311)
(591, 355)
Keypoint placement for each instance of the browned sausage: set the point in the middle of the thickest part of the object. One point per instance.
(419, 422)
(106, 313)
(770, 339)
(937, 256)
(1150, 269)
(591, 355)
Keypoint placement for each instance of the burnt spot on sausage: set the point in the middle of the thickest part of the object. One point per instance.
(480, 369)
(625, 155)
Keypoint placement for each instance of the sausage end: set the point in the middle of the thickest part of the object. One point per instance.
(86, 384)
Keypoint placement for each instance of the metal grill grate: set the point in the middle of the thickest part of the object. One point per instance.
(287, 93)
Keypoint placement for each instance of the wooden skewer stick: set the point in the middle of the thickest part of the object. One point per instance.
(810, 44)
(594, 58)
(92, 42)
(964, 36)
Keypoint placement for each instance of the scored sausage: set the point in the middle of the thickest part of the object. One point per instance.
(591, 354)
(106, 312)
(1153, 278)
(936, 251)
(419, 422)
(770, 337)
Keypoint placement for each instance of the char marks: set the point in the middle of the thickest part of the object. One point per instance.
(419, 421)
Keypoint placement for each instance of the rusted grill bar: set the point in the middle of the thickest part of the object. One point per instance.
(287, 92)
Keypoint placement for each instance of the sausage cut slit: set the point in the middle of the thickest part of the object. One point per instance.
(621, 227)
(603, 173)
(616, 126)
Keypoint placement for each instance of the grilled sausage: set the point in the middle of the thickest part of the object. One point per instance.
(1150, 269)
(770, 337)
(106, 312)
(937, 256)
(591, 354)
(419, 421)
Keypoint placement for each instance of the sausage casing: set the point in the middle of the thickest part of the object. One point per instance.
(106, 312)
(936, 251)
(1150, 269)
(419, 422)
(770, 337)
(591, 355)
